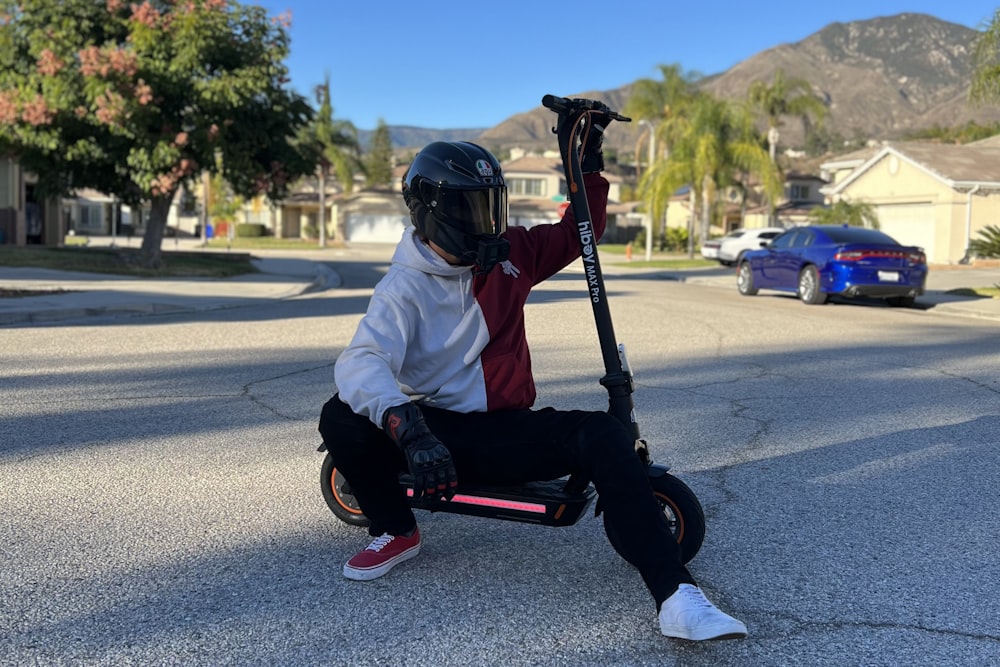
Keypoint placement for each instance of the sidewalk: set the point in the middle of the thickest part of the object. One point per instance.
(78, 295)
(285, 275)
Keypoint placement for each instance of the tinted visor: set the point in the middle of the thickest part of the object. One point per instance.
(473, 211)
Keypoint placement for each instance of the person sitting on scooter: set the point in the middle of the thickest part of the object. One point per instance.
(437, 381)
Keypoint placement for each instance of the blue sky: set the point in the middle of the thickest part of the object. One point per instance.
(465, 64)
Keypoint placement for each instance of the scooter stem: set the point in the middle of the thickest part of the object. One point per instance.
(617, 380)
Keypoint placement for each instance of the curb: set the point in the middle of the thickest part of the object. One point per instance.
(50, 315)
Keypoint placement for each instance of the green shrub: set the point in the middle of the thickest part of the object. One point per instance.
(675, 240)
(987, 247)
(250, 230)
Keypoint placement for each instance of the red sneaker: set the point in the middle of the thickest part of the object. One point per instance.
(382, 555)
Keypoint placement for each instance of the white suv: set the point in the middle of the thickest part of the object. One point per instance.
(736, 243)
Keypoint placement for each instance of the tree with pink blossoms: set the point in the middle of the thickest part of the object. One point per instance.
(136, 99)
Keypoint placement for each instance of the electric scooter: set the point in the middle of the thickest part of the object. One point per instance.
(560, 502)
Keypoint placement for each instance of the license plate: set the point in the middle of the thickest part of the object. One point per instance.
(888, 276)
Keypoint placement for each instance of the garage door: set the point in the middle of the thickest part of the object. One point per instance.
(910, 224)
(369, 228)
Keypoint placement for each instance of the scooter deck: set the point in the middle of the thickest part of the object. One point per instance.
(544, 503)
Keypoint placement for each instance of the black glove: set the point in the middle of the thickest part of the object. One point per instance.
(427, 457)
(593, 155)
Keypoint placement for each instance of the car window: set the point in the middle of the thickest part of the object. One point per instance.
(769, 235)
(783, 240)
(804, 238)
(857, 235)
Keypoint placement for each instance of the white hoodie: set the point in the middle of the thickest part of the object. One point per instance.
(439, 335)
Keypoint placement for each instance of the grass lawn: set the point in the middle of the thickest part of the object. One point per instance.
(614, 254)
(124, 261)
(266, 243)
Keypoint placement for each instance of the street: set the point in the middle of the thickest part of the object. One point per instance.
(160, 500)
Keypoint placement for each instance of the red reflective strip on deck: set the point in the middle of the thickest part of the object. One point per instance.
(480, 501)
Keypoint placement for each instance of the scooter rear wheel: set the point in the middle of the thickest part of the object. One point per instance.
(338, 496)
(683, 512)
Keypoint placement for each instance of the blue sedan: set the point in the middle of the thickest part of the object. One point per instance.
(819, 261)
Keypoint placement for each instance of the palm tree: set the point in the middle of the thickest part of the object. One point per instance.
(784, 97)
(340, 153)
(658, 103)
(986, 64)
(843, 212)
(712, 142)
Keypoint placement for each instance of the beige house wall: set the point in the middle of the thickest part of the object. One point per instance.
(756, 220)
(678, 213)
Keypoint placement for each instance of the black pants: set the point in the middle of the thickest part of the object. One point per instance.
(510, 447)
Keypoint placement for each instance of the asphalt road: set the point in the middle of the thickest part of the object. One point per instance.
(160, 503)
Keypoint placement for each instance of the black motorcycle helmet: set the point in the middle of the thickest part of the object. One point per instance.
(457, 198)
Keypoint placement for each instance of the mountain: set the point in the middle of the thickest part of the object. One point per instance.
(533, 129)
(406, 136)
(402, 135)
(880, 78)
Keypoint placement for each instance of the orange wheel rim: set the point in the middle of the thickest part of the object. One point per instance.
(336, 496)
(678, 518)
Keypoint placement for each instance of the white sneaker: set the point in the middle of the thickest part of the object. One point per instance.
(687, 614)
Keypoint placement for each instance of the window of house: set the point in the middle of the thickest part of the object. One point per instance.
(189, 202)
(91, 217)
(800, 192)
(263, 217)
(526, 187)
(141, 217)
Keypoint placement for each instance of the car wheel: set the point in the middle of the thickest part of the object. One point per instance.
(900, 301)
(744, 280)
(809, 291)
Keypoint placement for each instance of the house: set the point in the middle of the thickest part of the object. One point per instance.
(837, 169)
(802, 193)
(936, 196)
(88, 212)
(26, 217)
(377, 215)
(297, 215)
(537, 194)
(536, 191)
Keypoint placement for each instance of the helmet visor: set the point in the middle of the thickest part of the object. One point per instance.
(474, 211)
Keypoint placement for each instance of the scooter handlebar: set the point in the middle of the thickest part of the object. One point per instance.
(565, 105)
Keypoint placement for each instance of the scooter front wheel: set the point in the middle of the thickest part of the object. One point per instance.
(338, 496)
(683, 512)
